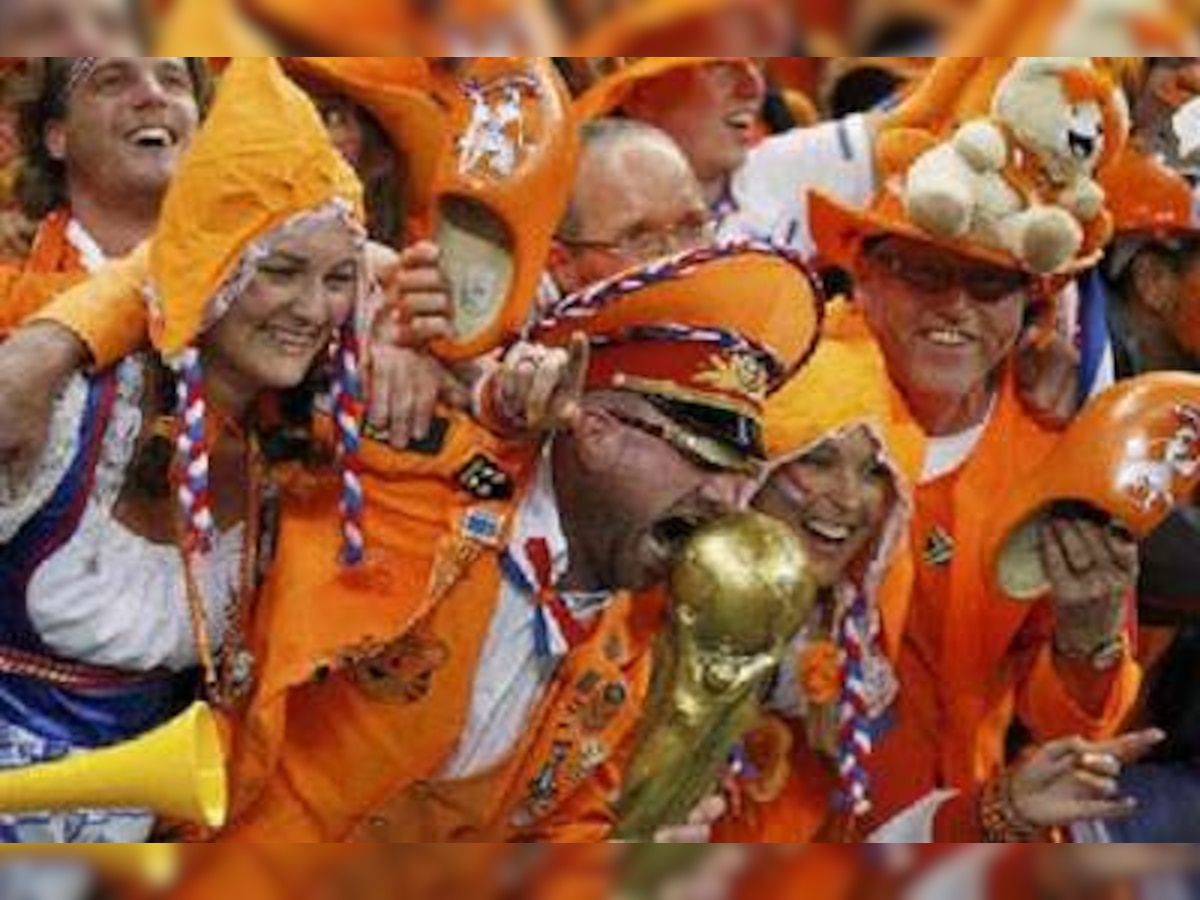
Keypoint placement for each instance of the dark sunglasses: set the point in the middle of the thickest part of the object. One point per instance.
(940, 274)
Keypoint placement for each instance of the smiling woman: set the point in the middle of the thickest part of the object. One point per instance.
(131, 556)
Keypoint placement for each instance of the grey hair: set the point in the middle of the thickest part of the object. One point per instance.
(606, 137)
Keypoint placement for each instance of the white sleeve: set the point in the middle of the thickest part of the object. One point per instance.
(21, 501)
(770, 191)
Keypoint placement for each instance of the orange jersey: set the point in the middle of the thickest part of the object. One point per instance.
(367, 682)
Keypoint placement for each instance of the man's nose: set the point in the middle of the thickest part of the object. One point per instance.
(148, 91)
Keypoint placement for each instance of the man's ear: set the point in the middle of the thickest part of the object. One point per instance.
(54, 136)
(1155, 282)
(596, 438)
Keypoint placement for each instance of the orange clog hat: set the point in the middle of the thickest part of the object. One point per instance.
(395, 91)
(1132, 454)
(499, 195)
(261, 158)
(709, 334)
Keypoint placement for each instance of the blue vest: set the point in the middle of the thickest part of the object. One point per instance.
(98, 717)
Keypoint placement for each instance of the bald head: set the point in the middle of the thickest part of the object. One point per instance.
(636, 198)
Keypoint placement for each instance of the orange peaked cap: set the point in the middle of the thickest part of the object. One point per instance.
(262, 158)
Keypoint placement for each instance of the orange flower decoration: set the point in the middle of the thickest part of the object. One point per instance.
(820, 671)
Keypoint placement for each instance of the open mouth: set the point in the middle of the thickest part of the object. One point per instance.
(1082, 145)
(152, 137)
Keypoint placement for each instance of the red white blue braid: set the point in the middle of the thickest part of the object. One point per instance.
(854, 733)
(192, 456)
(348, 408)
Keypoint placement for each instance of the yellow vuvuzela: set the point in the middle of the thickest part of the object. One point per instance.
(176, 771)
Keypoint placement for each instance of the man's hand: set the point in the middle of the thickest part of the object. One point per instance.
(417, 305)
(538, 389)
(34, 364)
(1093, 569)
(406, 387)
(699, 827)
(1048, 376)
(1074, 780)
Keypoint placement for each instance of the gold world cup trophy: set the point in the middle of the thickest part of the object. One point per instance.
(740, 593)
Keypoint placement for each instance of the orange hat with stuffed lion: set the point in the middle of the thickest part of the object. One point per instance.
(1013, 181)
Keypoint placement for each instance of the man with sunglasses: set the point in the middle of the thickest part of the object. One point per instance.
(949, 317)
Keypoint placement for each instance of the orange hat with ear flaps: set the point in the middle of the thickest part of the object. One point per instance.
(262, 157)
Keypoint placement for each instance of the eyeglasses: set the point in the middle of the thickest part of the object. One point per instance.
(939, 274)
(652, 244)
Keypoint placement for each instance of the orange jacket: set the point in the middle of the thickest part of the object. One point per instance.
(366, 681)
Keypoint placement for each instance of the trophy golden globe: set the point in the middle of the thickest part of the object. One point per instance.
(740, 593)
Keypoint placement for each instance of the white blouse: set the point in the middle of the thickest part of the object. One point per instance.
(109, 597)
